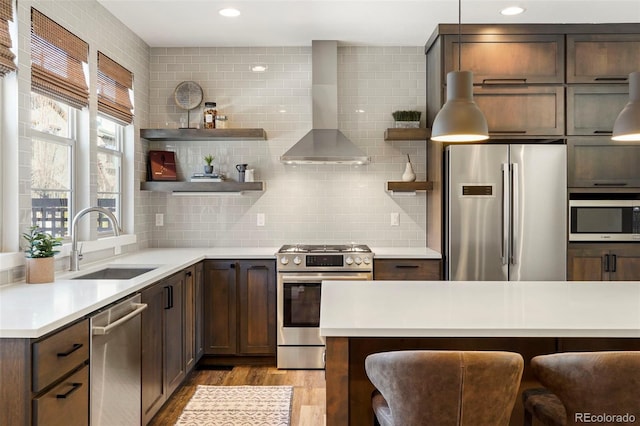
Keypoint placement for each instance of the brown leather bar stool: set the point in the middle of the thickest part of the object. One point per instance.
(580, 385)
(444, 388)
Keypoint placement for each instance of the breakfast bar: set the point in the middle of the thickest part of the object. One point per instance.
(532, 318)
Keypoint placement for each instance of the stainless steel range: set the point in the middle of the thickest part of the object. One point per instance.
(301, 270)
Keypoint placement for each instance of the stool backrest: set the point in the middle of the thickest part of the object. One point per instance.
(447, 388)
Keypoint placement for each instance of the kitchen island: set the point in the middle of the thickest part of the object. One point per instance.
(531, 318)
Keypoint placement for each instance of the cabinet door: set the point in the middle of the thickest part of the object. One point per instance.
(498, 58)
(522, 110)
(586, 264)
(595, 162)
(174, 331)
(406, 269)
(199, 313)
(601, 58)
(257, 303)
(153, 379)
(190, 318)
(220, 327)
(625, 264)
(592, 110)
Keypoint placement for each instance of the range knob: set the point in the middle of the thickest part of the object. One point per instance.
(297, 260)
(358, 260)
(284, 260)
(366, 260)
(348, 260)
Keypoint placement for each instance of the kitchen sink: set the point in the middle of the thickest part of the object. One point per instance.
(114, 273)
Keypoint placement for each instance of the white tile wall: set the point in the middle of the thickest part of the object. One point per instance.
(310, 204)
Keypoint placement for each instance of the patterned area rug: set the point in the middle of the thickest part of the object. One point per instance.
(238, 406)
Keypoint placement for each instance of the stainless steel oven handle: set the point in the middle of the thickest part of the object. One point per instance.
(101, 331)
(316, 278)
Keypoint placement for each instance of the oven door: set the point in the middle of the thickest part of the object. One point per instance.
(299, 305)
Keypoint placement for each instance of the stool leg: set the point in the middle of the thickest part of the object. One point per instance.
(528, 421)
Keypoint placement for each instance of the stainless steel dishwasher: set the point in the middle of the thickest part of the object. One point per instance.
(115, 364)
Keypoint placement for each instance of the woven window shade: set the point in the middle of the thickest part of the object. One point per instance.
(6, 55)
(57, 56)
(114, 84)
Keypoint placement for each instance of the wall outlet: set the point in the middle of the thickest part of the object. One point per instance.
(395, 219)
(260, 219)
(159, 219)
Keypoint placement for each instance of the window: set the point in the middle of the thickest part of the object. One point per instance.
(53, 134)
(110, 153)
(6, 55)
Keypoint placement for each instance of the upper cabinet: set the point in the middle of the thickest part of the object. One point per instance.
(202, 134)
(508, 58)
(602, 58)
(593, 108)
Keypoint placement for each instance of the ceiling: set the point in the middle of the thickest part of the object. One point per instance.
(196, 23)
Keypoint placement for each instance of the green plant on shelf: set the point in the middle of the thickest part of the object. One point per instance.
(209, 159)
(406, 115)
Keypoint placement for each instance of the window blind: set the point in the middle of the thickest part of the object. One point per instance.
(114, 85)
(57, 58)
(6, 55)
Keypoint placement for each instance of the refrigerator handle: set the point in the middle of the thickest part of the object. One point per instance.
(515, 213)
(505, 214)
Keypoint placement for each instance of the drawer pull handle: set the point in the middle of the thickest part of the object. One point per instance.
(189, 273)
(74, 348)
(407, 266)
(610, 184)
(74, 387)
(490, 81)
(603, 132)
(611, 78)
(499, 132)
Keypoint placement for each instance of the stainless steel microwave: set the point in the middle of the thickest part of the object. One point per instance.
(604, 220)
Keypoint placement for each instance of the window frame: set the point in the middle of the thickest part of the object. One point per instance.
(120, 136)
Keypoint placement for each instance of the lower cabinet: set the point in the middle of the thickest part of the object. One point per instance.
(407, 269)
(163, 350)
(239, 307)
(193, 348)
(600, 262)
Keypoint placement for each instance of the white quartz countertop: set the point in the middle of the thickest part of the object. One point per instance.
(33, 310)
(405, 253)
(480, 309)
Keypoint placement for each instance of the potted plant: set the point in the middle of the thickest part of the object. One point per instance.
(39, 253)
(208, 169)
(406, 119)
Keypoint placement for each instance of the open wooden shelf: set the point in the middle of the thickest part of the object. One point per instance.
(409, 186)
(399, 134)
(202, 134)
(228, 187)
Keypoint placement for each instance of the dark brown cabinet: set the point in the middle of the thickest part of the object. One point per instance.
(599, 162)
(193, 348)
(163, 352)
(407, 269)
(239, 307)
(596, 262)
(592, 109)
(602, 58)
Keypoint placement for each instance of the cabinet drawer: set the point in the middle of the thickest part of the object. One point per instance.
(522, 111)
(406, 269)
(592, 109)
(602, 58)
(67, 404)
(500, 58)
(60, 353)
(599, 162)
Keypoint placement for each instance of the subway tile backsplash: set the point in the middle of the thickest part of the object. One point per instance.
(305, 203)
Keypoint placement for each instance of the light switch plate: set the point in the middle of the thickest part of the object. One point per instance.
(159, 219)
(395, 219)
(260, 219)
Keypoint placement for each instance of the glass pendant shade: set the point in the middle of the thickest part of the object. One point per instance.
(460, 119)
(627, 125)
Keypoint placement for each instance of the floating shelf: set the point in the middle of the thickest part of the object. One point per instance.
(409, 186)
(228, 187)
(202, 134)
(399, 134)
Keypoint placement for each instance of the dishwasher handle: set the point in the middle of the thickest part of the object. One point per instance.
(101, 331)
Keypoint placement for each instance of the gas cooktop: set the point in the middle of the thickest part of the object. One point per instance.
(324, 248)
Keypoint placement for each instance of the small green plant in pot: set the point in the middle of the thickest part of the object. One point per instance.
(39, 252)
(209, 167)
(406, 119)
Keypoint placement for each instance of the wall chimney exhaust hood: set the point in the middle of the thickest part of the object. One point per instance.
(324, 144)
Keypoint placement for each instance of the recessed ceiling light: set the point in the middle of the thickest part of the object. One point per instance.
(259, 68)
(512, 10)
(229, 12)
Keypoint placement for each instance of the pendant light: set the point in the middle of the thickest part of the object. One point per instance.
(460, 119)
(627, 125)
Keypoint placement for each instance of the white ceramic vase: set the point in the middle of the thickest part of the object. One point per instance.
(408, 175)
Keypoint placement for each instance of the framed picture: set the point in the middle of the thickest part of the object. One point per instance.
(162, 165)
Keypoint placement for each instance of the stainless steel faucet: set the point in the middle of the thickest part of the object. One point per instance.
(74, 258)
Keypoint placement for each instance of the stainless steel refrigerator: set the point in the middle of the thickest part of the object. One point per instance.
(505, 212)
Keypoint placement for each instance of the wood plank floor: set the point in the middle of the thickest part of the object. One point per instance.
(309, 392)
